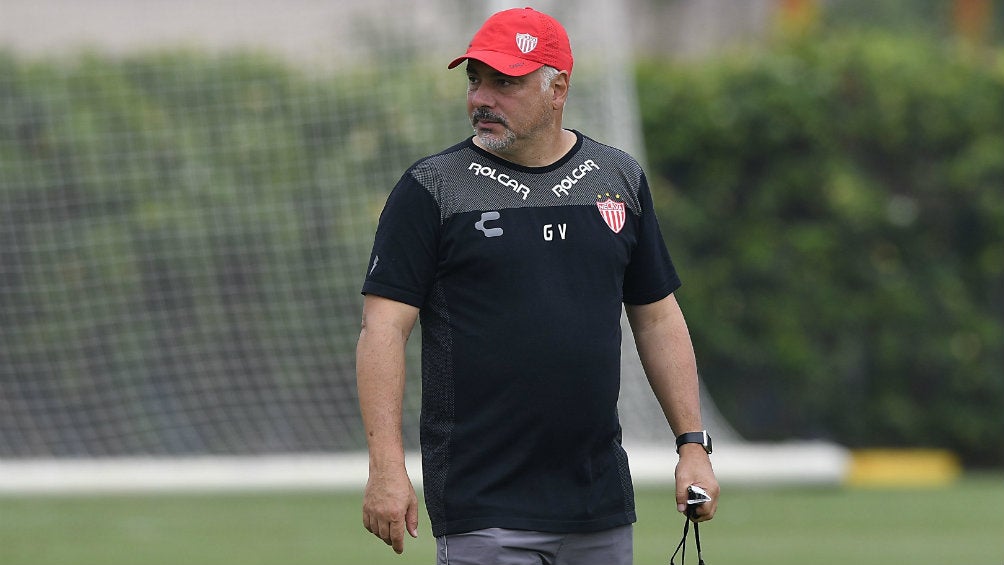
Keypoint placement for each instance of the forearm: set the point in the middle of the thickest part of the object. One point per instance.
(380, 379)
(667, 355)
(676, 387)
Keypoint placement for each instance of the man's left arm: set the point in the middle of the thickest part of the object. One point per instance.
(667, 355)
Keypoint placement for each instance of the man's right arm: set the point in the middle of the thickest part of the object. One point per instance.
(389, 504)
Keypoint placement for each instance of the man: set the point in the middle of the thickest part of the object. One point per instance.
(518, 248)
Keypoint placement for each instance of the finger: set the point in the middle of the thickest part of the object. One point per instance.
(384, 532)
(411, 519)
(681, 499)
(702, 517)
(705, 511)
(397, 536)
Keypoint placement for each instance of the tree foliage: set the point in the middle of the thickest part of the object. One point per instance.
(836, 207)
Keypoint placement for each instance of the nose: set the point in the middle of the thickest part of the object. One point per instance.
(480, 97)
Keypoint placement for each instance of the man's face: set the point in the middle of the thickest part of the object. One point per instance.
(505, 109)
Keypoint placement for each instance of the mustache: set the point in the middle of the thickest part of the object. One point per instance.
(485, 115)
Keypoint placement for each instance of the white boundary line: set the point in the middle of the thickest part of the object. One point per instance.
(809, 463)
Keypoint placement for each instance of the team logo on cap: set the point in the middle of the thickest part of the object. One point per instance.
(613, 212)
(526, 42)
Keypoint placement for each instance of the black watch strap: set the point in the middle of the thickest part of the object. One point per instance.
(700, 437)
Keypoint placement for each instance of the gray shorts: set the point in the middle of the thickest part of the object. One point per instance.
(498, 546)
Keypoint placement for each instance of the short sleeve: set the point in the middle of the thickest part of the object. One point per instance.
(403, 261)
(650, 275)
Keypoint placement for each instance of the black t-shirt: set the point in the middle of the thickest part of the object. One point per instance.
(520, 274)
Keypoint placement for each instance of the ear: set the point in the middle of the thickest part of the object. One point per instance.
(559, 90)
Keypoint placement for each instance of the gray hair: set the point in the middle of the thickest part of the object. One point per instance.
(547, 75)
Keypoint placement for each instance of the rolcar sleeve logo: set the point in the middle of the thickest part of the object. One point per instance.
(573, 177)
(612, 210)
(501, 178)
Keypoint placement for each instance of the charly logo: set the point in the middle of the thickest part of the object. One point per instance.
(612, 210)
(526, 42)
(488, 217)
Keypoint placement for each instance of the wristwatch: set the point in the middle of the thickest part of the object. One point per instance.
(700, 437)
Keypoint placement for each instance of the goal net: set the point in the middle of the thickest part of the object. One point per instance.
(186, 211)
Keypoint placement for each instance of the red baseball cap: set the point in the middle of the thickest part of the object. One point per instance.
(519, 41)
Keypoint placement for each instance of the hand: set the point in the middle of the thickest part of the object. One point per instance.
(694, 468)
(390, 506)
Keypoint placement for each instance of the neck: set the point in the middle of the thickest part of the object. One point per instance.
(538, 152)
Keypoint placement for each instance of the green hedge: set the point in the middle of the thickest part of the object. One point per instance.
(836, 209)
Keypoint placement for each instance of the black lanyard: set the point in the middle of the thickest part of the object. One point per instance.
(691, 511)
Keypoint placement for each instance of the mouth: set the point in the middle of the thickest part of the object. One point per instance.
(483, 119)
(485, 125)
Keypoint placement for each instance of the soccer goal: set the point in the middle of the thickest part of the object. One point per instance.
(186, 211)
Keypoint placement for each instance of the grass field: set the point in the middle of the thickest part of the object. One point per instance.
(961, 524)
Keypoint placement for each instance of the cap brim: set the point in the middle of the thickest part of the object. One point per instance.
(505, 64)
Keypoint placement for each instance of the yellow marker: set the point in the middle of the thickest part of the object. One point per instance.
(903, 467)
